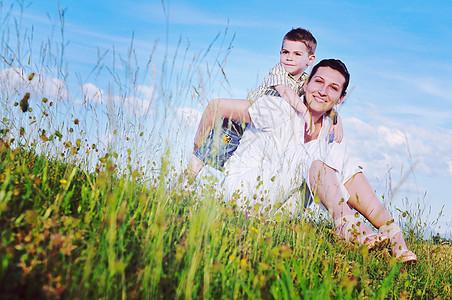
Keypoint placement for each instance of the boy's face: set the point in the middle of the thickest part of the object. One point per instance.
(295, 58)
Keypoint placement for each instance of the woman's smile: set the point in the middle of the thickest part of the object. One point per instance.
(319, 99)
(324, 90)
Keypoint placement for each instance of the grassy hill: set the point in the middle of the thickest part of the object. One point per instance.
(73, 231)
(66, 233)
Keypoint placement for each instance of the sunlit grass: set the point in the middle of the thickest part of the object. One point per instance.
(68, 233)
(88, 219)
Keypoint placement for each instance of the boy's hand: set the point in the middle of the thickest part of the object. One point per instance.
(291, 97)
(199, 140)
(338, 130)
(195, 147)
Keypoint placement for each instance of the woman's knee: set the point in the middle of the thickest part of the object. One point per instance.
(320, 171)
(315, 172)
(316, 165)
(316, 169)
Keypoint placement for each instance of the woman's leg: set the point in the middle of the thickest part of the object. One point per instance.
(324, 184)
(364, 199)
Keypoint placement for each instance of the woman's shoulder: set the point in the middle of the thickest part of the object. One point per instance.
(272, 104)
(270, 111)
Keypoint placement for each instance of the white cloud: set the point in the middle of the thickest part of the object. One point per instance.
(399, 147)
(429, 85)
(134, 106)
(365, 129)
(148, 92)
(392, 137)
(139, 106)
(92, 93)
(178, 13)
(188, 14)
(188, 116)
(15, 81)
(450, 168)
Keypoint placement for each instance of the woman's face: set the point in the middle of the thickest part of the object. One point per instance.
(324, 90)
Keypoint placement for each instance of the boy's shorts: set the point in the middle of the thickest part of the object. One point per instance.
(220, 145)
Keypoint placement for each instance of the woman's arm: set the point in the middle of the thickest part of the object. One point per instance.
(234, 109)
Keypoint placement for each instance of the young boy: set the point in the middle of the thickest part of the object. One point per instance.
(286, 80)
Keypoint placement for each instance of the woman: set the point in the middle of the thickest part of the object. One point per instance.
(277, 154)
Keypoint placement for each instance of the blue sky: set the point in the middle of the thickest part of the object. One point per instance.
(398, 114)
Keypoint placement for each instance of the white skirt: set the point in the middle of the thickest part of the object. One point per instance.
(269, 188)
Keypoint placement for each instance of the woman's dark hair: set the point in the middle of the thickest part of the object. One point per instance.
(334, 64)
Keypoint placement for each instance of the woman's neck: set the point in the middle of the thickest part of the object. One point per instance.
(317, 117)
(318, 121)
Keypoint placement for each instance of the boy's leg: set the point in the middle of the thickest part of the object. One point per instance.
(234, 109)
(231, 134)
(218, 147)
(194, 167)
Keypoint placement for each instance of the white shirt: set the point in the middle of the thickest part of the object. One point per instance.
(272, 160)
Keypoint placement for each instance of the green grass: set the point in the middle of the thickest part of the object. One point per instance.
(82, 220)
(70, 234)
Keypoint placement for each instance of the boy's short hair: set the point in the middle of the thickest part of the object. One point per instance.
(304, 36)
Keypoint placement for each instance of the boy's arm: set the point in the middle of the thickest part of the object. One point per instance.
(295, 101)
(233, 109)
(337, 128)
